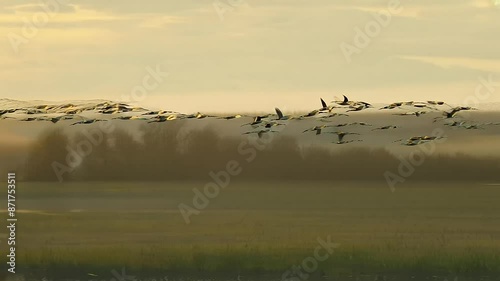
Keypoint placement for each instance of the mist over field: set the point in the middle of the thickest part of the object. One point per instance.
(158, 152)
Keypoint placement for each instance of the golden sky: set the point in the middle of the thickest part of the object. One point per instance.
(248, 54)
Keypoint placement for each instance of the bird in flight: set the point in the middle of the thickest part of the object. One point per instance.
(260, 133)
(281, 116)
(88, 121)
(341, 135)
(385, 128)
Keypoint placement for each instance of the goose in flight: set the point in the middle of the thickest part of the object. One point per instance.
(433, 102)
(31, 111)
(341, 135)
(231, 117)
(29, 119)
(355, 108)
(429, 138)
(111, 111)
(385, 128)
(134, 117)
(281, 116)
(472, 127)
(55, 119)
(455, 124)
(367, 105)
(317, 129)
(360, 124)
(450, 114)
(198, 116)
(426, 138)
(464, 125)
(411, 142)
(418, 140)
(88, 121)
(421, 105)
(269, 125)
(257, 120)
(411, 113)
(345, 142)
(324, 106)
(343, 102)
(72, 111)
(325, 118)
(163, 118)
(340, 125)
(351, 124)
(333, 115)
(310, 114)
(392, 105)
(5, 111)
(158, 112)
(260, 133)
(358, 106)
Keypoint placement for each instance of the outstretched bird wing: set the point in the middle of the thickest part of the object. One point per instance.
(346, 100)
(278, 111)
(341, 137)
(323, 103)
(452, 113)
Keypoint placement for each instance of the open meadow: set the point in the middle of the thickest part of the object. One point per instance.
(259, 231)
(250, 140)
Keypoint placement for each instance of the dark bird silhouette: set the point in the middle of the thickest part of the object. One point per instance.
(88, 121)
(231, 117)
(344, 102)
(260, 133)
(341, 135)
(281, 116)
(385, 128)
(450, 114)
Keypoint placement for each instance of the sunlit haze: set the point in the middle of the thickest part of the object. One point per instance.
(254, 55)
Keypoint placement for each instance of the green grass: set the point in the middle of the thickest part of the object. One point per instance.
(250, 228)
(271, 259)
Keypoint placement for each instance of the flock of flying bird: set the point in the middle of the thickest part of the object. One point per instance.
(262, 124)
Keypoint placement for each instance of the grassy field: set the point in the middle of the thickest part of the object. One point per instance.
(259, 229)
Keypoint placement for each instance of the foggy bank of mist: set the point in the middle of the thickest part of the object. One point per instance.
(166, 152)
